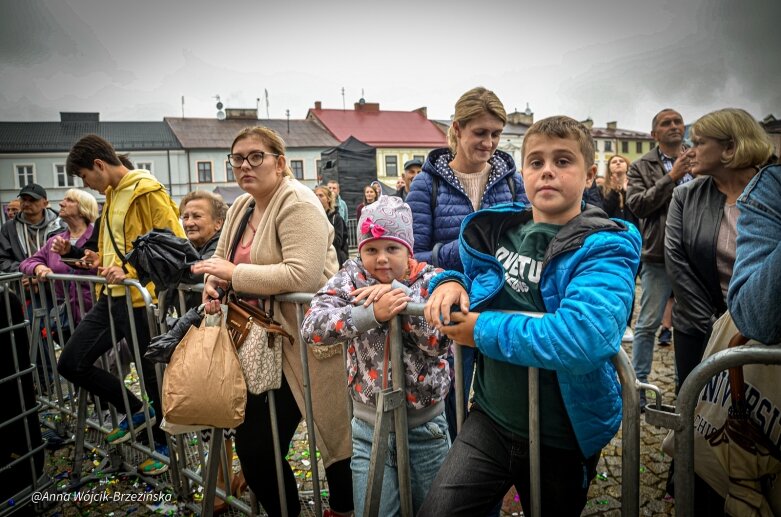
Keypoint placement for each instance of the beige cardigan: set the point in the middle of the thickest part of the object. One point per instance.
(292, 252)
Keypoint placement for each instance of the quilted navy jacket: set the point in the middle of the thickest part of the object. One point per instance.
(587, 285)
(436, 234)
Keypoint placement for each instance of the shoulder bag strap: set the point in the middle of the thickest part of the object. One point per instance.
(121, 255)
(241, 230)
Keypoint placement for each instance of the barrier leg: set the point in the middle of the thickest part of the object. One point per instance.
(210, 481)
(387, 401)
(272, 406)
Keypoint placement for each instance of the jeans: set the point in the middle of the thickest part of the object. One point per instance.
(92, 338)
(486, 460)
(655, 293)
(428, 447)
(468, 359)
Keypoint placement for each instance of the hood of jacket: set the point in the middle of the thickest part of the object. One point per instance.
(481, 231)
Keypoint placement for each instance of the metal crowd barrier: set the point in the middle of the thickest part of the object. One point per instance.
(23, 446)
(680, 418)
(59, 399)
(190, 471)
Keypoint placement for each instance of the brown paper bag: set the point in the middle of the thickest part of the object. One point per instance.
(203, 384)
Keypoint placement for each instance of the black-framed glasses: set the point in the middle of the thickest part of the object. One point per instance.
(254, 158)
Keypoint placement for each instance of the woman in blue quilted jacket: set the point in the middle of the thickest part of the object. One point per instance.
(469, 174)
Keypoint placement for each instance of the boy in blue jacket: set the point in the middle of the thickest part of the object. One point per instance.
(571, 262)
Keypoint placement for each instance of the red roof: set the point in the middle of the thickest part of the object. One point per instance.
(381, 128)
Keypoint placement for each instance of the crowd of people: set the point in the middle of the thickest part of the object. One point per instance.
(475, 237)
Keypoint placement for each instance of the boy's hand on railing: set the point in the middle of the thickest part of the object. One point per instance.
(439, 306)
(390, 304)
(462, 329)
(370, 293)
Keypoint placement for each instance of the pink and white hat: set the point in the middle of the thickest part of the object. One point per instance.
(387, 218)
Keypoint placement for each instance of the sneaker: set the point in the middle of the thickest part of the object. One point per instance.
(665, 337)
(121, 433)
(152, 466)
(629, 336)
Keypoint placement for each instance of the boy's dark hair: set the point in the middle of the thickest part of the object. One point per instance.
(563, 127)
(84, 153)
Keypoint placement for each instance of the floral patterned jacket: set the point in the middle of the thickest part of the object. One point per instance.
(333, 318)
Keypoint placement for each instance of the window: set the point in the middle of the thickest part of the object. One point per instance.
(147, 166)
(319, 166)
(420, 157)
(608, 146)
(25, 174)
(639, 147)
(63, 179)
(229, 172)
(391, 165)
(297, 166)
(204, 172)
(624, 146)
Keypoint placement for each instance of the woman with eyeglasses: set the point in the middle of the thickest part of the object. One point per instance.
(285, 247)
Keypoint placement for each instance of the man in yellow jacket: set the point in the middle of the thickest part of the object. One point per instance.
(136, 202)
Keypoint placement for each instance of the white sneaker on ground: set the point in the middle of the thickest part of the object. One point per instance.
(629, 336)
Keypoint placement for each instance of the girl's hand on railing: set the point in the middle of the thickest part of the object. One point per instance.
(439, 306)
(370, 293)
(462, 328)
(390, 304)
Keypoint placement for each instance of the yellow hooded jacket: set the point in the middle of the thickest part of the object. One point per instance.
(149, 206)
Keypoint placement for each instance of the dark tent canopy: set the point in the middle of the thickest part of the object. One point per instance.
(229, 194)
(354, 165)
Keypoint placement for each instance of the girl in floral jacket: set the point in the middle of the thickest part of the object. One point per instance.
(355, 307)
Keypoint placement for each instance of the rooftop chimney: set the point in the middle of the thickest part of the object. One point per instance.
(588, 122)
(612, 125)
(423, 111)
(367, 107)
(73, 116)
(241, 114)
(318, 105)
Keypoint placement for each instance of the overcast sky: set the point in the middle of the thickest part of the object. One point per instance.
(607, 59)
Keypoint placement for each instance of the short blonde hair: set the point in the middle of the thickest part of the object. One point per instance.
(269, 137)
(473, 104)
(218, 206)
(88, 205)
(752, 145)
(330, 196)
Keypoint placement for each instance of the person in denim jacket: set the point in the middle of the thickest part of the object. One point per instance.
(756, 280)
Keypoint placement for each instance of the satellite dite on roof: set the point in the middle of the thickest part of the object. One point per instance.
(220, 113)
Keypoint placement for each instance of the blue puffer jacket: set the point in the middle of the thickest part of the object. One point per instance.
(587, 286)
(436, 235)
